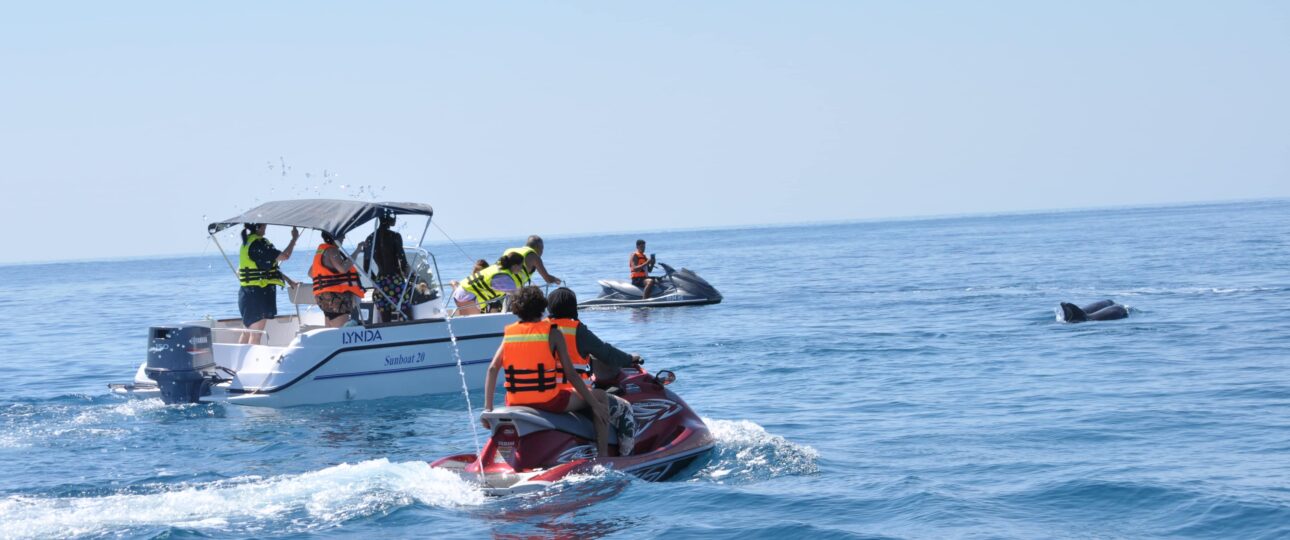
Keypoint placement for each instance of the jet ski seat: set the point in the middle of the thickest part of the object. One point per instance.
(622, 287)
(529, 420)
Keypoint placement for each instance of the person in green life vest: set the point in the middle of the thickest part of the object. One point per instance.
(532, 253)
(482, 291)
(259, 276)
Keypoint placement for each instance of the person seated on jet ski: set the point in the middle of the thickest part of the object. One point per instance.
(606, 360)
(641, 265)
(539, 372)
(474, 293)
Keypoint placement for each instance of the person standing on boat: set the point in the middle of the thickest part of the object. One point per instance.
(260, 278)
(336, 285)
(641, 265)
(386, 247)
(539, 372)
(474, 293)
(532, 253)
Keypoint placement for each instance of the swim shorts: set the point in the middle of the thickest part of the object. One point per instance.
(257, 303)
(335, 304)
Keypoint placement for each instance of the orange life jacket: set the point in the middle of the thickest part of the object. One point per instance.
(533, 371)
(569, 329)
(639, 258)
(327, 280)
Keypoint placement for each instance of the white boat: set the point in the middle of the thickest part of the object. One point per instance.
(299, 361)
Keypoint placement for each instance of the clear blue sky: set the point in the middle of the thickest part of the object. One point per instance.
(126, 126)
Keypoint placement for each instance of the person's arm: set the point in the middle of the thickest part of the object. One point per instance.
(490, 382)
(291, 246)
(336, 261)
(562, 352)
(541, 268)
(640, 266)
(590, 344)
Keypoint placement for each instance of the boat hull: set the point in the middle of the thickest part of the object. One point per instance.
(328, 365)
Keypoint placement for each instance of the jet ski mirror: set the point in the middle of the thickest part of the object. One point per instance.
(665, 377)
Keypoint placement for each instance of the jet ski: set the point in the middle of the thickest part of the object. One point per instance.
(674, 288)
(531, 449)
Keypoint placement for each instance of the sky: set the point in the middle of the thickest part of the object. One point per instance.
(125, 127)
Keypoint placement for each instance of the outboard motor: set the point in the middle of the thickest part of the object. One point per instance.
(181, 361)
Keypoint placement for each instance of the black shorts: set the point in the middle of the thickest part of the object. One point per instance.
(257, 304)
(639, 282)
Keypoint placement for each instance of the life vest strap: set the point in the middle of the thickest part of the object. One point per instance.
(545, 379)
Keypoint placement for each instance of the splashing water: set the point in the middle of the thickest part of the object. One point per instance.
(746, 452)
(310, 501)
(465, 390)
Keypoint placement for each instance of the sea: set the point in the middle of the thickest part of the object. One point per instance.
(878, 379)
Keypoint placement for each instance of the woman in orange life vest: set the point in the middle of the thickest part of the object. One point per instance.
(539, 373)
(336, 285)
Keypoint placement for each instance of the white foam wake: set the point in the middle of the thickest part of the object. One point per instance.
(309, 501)
(745, 451)
(34, 426)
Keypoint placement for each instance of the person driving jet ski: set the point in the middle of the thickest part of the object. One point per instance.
(641, 265)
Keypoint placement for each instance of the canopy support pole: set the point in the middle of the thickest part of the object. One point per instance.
(225, 255)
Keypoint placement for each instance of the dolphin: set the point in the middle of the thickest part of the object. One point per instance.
(1102, 310)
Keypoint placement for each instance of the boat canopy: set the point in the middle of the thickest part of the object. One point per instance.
(334, 216)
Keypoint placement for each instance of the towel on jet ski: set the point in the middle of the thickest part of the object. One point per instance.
(623, 422)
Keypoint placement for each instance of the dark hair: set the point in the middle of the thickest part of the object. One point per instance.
(640, 243)
(563, 304)
(533, 241)
(508, 260)
(247, 229)
(328, 238)
(479, 265)
(529, 304)
(387, 221)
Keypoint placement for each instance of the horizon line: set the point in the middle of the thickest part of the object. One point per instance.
(771, 225)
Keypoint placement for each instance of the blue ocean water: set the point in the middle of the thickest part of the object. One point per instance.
(900, 379)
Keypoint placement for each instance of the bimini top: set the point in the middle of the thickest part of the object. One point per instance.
(336, 217)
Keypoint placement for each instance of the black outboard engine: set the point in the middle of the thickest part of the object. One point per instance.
(181, 361)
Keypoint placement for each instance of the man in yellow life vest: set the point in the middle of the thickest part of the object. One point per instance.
(539, 371)
(532, 253)
(337, 288)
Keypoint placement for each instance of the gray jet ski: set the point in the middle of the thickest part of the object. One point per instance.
(674, 288)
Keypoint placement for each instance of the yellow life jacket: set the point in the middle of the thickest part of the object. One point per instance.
(480, 284)
(526, 273)
(251, 275)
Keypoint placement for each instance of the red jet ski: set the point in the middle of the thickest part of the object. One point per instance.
(530, 449)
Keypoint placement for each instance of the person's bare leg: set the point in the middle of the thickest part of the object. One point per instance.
(649, 284)
(338, 321)
(258, 326)
(602, 425)
(467, 309)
